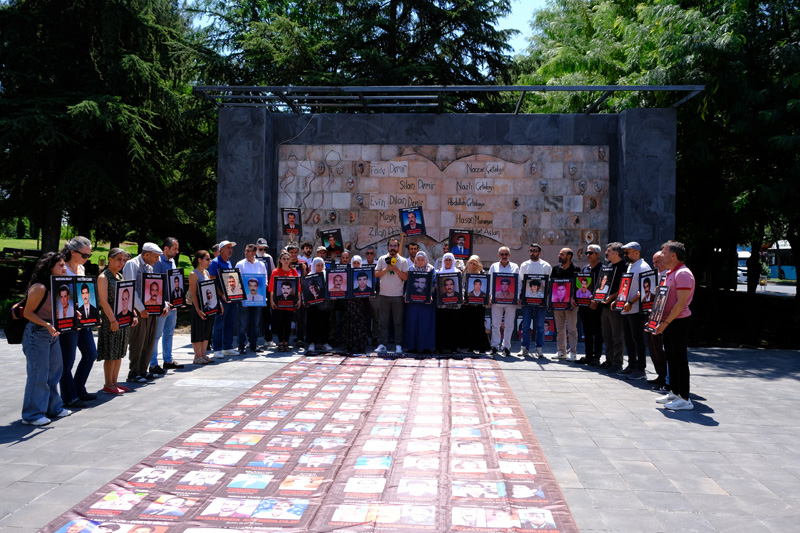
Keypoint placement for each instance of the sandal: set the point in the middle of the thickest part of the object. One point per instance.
(198, 361)
(208, 360)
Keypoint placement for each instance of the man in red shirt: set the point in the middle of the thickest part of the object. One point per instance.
(674, 325)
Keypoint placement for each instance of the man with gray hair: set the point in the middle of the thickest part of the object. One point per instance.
(591, 316)
(534, 265)
(143, 336)
(610, 319)
(632, 320)
(165, 330)
(503, 312)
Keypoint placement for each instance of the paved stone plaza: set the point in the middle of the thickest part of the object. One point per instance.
(623, 463)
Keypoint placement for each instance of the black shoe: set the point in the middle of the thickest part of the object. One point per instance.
(494, 350)
(605, 364)
(299, 343)
(256, 349)
(148, 377)
(582, 361)
(157, 370)
(136, 379)
(655, 381)
(506, 352)
(173, 365)
(613, 369)
(242, 350)
(77, 403)
(88, 397)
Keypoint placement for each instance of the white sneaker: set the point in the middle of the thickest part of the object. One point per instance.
(680, 405)
(525, 352)
(63, 413)
(572, 356)
(666, 398)
(559, 355)
(311, 348)
(381, 348)
(398, 349)
(230, 352)
(328, 347)
(539, 352)
(41, 421)
(212, 355)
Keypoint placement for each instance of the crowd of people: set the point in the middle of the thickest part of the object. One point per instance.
(53, 389)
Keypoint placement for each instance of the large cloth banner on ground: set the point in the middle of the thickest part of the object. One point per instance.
(332, 444)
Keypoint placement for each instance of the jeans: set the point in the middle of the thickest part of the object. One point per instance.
(536, 314)
(165, 330)
(73, 388)
(43, 355)
(249, 325)
(225, 325)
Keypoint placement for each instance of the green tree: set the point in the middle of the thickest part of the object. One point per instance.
(94, 117)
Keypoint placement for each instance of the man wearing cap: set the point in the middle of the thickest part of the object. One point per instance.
(590, 315)
(143, 336)
(632, 320)
(165, 330)
(530, 313)
(266, 313)
(250, 316)
(226, 323)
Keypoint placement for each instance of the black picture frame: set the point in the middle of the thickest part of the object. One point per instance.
(414, 293)
(443, 297)
(334, 248)
(291, 228)
(233, 293)
(286, 300)
(528, 293)
(561, 294)
(409, 227)
(657, 311)
(482, 298)
(209, 299)
(62, 297)
(88, 285)
(339, 282)
(315, 289)
(625, 291)
(123, 304)
(584, 297)
(176, 287)
(604, 282)
(153, 301)
(455, 246)
(359, 273)
(498, 280)
(648, 288)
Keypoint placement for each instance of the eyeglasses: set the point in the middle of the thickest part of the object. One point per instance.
(85, 256)
(262, 249)
(504, 255)
(590, 253)
(370, 253)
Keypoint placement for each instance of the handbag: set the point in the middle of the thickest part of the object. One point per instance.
(16, 321)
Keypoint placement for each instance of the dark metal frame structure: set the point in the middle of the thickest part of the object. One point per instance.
(368, 99)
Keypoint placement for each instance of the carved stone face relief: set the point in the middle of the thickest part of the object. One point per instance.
(534, 168)
(360, 200)
(543, 185)
(332, 216)
(601, 154)
(339, 168)
(320, 167)
(582, 185)
(573, 168)
(351, 183)
(597, 186)
(360, 168)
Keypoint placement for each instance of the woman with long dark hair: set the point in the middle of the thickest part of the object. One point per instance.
(73, 387)
(202, 325)
(41, 347)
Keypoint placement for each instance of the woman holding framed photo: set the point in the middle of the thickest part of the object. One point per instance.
(202, 325)
(283, 315)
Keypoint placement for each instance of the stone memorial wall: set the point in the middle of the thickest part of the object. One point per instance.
(556, 195)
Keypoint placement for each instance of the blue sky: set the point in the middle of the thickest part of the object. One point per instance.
(519, 19)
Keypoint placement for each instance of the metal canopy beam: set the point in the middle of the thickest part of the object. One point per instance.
(366, 98)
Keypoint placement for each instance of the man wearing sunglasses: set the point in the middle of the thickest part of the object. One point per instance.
(590, 316)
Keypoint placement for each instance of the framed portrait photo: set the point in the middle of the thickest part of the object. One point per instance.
(314, 289)
(504, 288)
(208, 302)
(286, 291)
(534, 289)
(604, 283)
(230, 282)
(561, 294)
(648, 286)
(419, 287)
(448, 289)
(255, 288)
(477, 289)
(339, 281)
(153, 292)
(657, 311)
(62, 295)
(412, 220)
(625, 292)
(363, 284)
(176, 282)
(460, 243)
(332, 241)
(583, 292)
(86, 301)
(290, 221)
(123, 304)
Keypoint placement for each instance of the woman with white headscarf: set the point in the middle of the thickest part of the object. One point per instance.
(318, 316)
(420, 320)
(472, 319)
(447, 314)
(355, 319)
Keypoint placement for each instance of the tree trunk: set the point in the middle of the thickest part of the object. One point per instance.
(793, 236)
(51, 230)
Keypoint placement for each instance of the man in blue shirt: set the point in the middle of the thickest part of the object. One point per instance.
(226, 323)
(165, 330)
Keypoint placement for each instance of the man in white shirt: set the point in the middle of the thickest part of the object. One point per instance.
(502, 312)
(632, 320)
(392, 270)
(530, 313)
(263, 256)
(250, 316)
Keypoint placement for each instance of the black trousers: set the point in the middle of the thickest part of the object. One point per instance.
(283, 323)
(592, 331)
(633, 326)
(676, 339)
